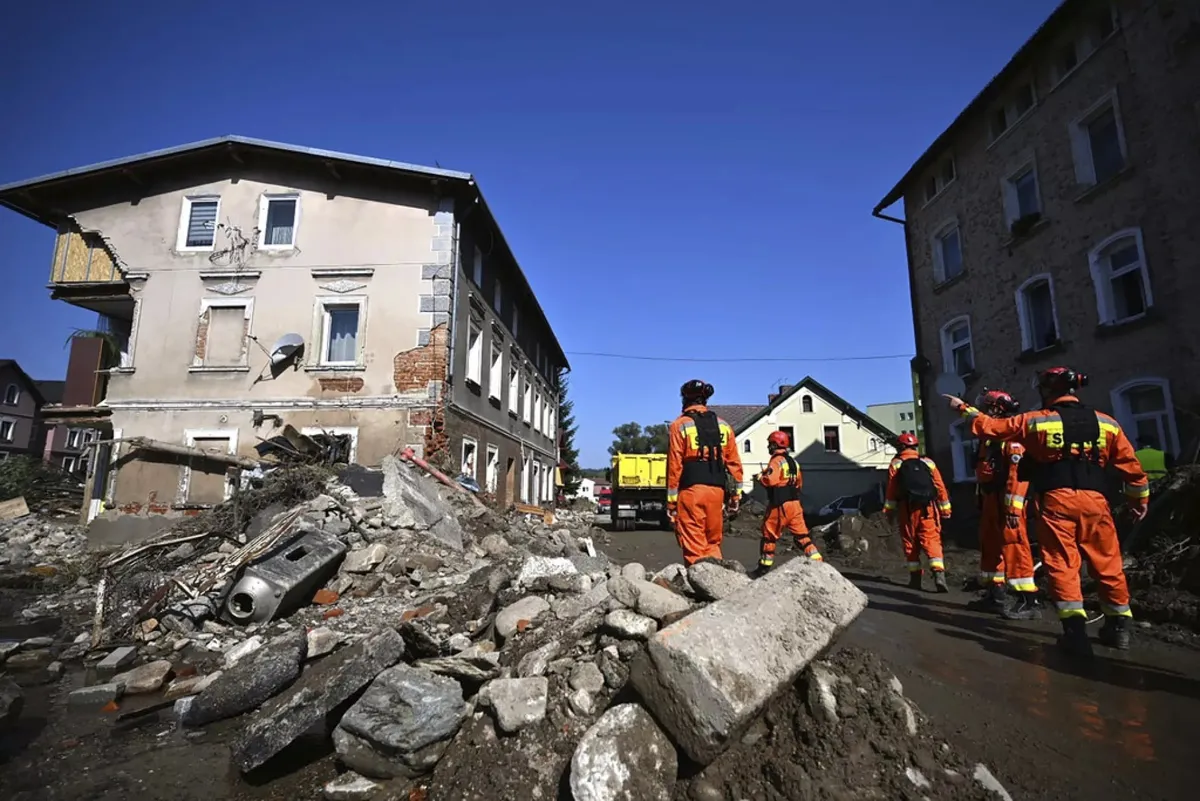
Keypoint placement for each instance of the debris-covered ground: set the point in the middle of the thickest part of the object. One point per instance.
(317, 642)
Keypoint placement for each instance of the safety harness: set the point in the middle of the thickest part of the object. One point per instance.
(708, 468)
(993, 456)
(778, 496)
(1078, 466)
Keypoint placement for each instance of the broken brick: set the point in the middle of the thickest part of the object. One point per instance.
(522, 625)
(332, 613)
(325, 597)
(413, 614)
(111, 706)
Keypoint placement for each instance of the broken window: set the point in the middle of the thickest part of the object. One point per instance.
(206, 480)
(277, 221)
(225, 335)
(833, 442)
(469, 449)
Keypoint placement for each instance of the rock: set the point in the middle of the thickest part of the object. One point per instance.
(8, 648)
(181, 688)
(458, 642)
(572, 607)
(27, 660)
(990, 782)
(634, 572)
(37, 642)
(616, 674)
(465, 668)
(623, 590)
(322, 641)
(528, 608)
(544, 568)
(658, 602)
(537, 661)
(252, 681)
(55, 670)
(324, 687)
(144, 679)
(401, 725)
(587, 677)
(12, 700)
(706, 677)
(580, 702)
(713, 582)
(411, 501)
(364, 560)
(351, 787)
(631, 625)
(97, 695)
(517, 702)
(822, 692)
(624, 756)
(242, 650)
(118, 659)
(494, 545)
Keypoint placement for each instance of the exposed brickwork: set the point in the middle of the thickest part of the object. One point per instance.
(1153, 73)
(350, 384)
(415, 369)
(202, 336)
(420, 417)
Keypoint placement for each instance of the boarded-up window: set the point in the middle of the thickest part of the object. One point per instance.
(207, 482)
(226, 335)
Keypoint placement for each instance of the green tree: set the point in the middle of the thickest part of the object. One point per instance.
(632, 438)
(658, 437)
(568, 454)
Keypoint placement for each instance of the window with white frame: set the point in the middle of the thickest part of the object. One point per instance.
(527, 406)
(1037, 313)
(1122, 280)
(1098, 142)
(745, 446)
(475, 353)
(492, 473)
(548, 472)
(552, 418)
(958, 355)
(222, 335)
(69, 464)
(535, 484)
(498, 296)
(514, 387)
(526, 474)
(872, 445)
(496, 371)
(198, 223)
(1022, 200)
(947, 252)
(470, 451)
(806, 404)
(1146, 413)
(8, 429)
(278, 216)
(75, 439)
(537, 411)
(516, 328)
(1019, 102)
(963, 450)
(341, 327)
(477, 268)
(941, 177)
(12, 395)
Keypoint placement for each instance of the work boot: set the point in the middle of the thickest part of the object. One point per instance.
(994, 599)
(914, 581)
(939, 581)
(1026, 607)
(972, 584)
(1074, 639)
(761, 570)
(1115, 632)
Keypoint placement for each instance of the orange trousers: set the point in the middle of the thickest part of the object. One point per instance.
(1004, 550)
(921, 530)
(1075, 525)
(699, 522)
(787, 517)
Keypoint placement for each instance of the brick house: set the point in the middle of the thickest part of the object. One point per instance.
(1057, 221)
(248, 284)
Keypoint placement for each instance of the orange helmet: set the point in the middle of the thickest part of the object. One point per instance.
(997, 403)
(779, 439)
(1060, 380)
(907, 440)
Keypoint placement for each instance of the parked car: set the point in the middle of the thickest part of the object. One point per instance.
(846, 504)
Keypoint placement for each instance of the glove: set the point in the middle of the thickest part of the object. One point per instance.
(1138, 510)
(735, 503)
(671, 512)
(1012, 521)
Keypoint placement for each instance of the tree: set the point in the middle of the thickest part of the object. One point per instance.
(658, 437)
(568, 454)
(632, 438)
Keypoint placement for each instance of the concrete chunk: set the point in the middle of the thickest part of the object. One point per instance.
(117, 659)
(707, 676)
(713, 582)
(623, 757)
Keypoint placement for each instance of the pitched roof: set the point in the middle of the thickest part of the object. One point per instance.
(737, 413)
(826, 394)
(29, 382)
(42, 198)
(52, 391)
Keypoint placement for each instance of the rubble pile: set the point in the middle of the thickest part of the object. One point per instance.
(1163, 562)
(46, 489)
(32, 540)
(451, 653)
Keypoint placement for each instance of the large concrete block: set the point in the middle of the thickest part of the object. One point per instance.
(706, 677)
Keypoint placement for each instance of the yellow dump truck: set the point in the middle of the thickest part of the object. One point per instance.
(639, 490)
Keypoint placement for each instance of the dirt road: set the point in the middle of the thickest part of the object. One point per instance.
(1124, 729)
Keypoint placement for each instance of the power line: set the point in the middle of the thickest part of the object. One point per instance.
(634, 357)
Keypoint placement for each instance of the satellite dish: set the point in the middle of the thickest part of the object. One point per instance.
(285, 347)
(949, 384)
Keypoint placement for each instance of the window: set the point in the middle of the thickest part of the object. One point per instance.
(477, 271)
(516, 321)
(277, 217)
(469, 449)
(204, 482)
(198, 223)
(340, 333)
(514, 387)
(939, 179)
(872, 445)
(535, 484)
(806, 404)
(69, 463)
(1037, 313)
(12, 395)
(222, 333)
(546, 418)
(75, 439)
(552, 428)
(1022, 201)
(1098, 142)
(1019, 103)
(746, 446)
(1121, 278)
(958, 356)
(492, 476)
(791, 435)
(833, 442)
(8, 430)
(1146, 412)
(963, 448)
(947, 253)
(537, 411)
(528, 405)
(496, 372)
(498, 296)
(526, 474)
(1070, 54)
(475, 354)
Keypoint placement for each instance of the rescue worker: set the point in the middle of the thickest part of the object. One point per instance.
(1067, 447)
(701, 451)
(1151, 458)
(782, 481)
(917, 495)
(1003, 540)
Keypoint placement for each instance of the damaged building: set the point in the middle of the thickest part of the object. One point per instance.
(245, 286)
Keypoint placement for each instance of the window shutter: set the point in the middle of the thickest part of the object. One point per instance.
(202, 223)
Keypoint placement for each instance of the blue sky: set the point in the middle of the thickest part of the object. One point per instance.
(677, 179)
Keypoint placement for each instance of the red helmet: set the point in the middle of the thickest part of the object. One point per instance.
(907, 440)
(997, 403)
(695, 391)
(779, 439)
(1060, 380)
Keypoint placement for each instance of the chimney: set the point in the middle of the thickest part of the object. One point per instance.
(771, 398)
(785, 388)
(84, 384)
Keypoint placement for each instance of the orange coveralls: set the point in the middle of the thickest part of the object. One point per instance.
(920, 527)
(699, 508)
(1072, 521)
(1005, 551)
(787, 515)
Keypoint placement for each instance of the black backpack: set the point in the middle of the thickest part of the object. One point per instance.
(916, 482)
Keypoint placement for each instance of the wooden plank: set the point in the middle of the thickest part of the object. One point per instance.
(11, 510)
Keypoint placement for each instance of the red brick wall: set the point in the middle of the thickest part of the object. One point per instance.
(414, 369)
